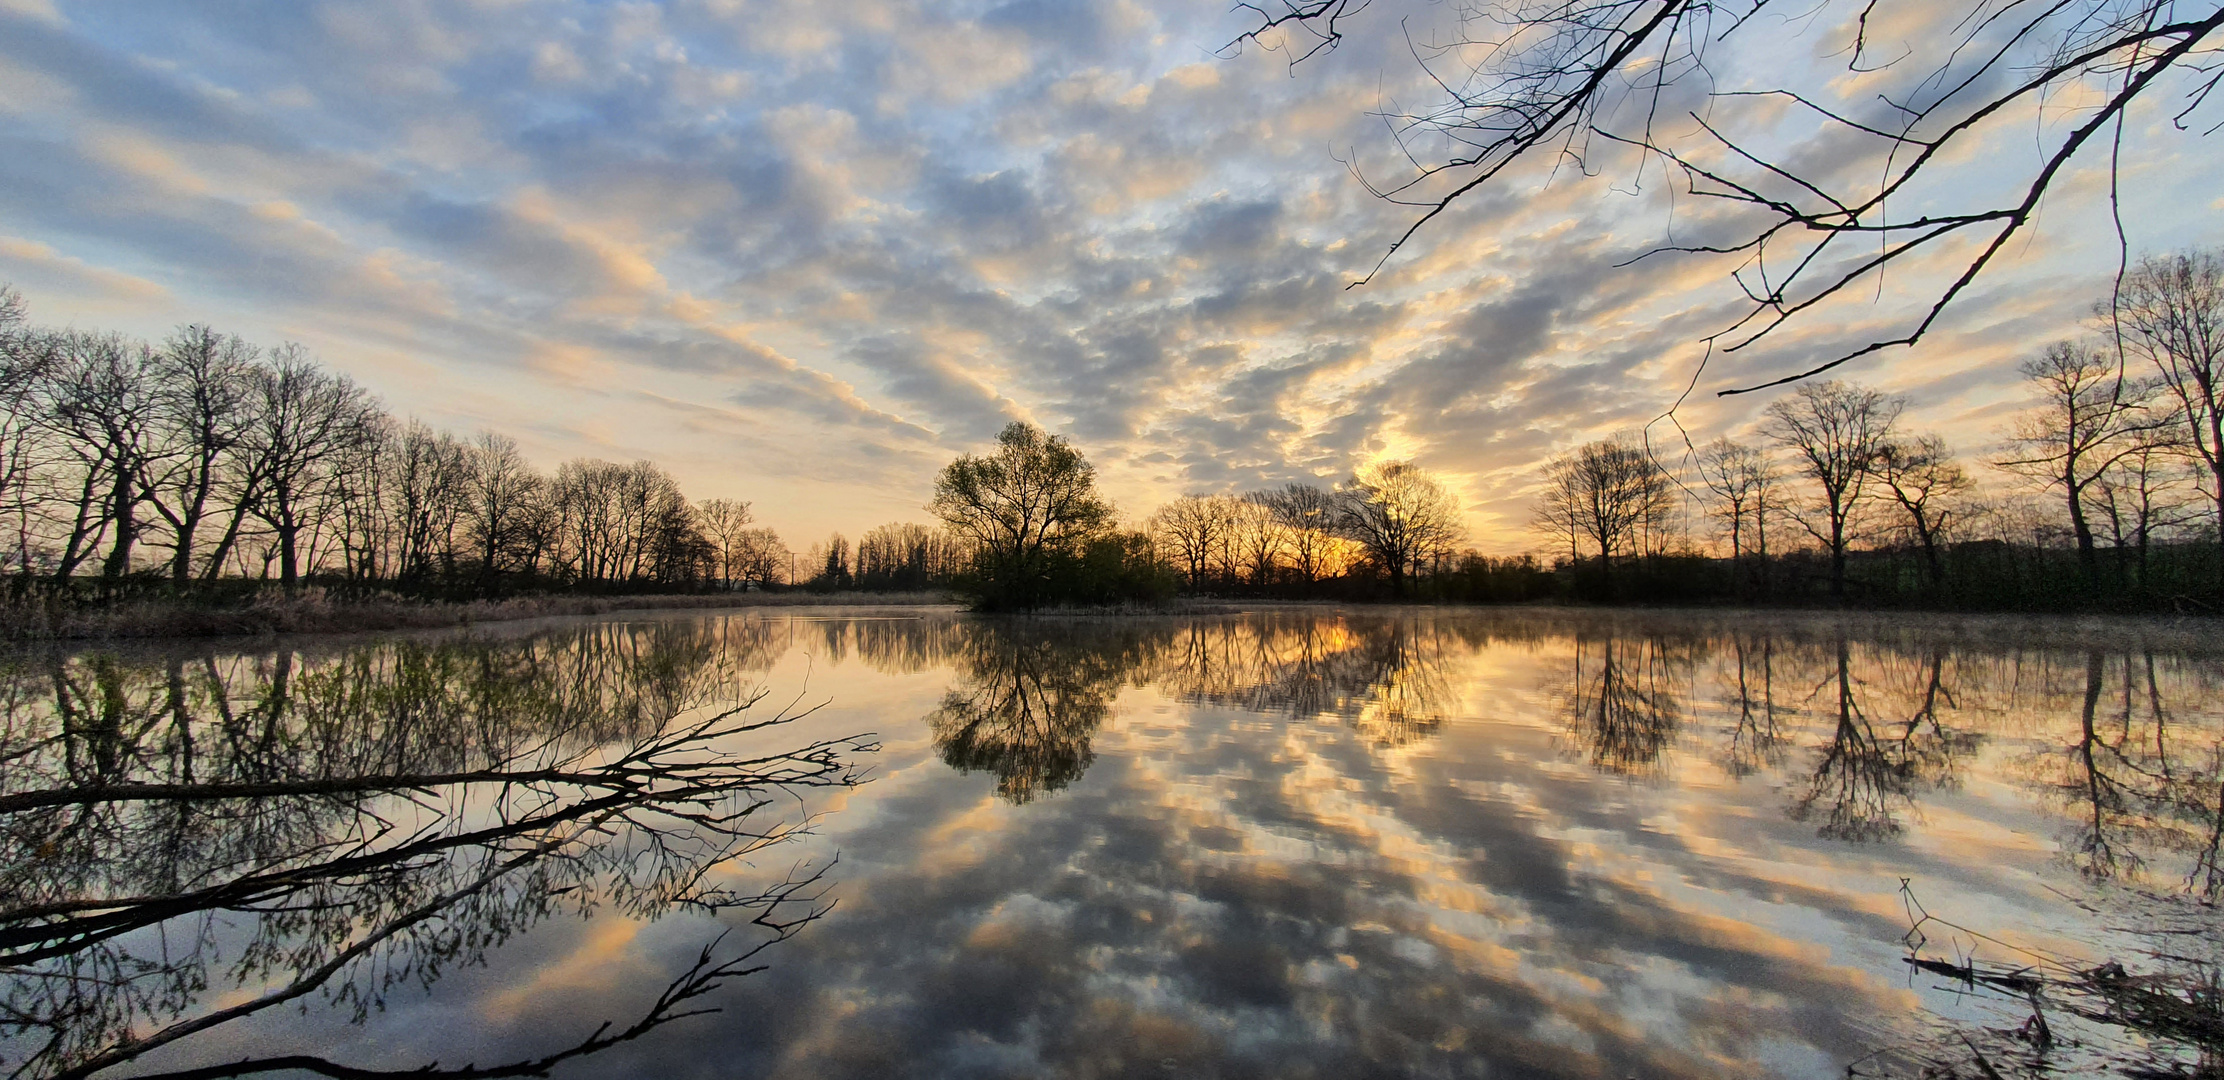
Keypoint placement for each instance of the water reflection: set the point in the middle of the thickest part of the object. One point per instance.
(1387, 678)
(1868, 771)
(2133, 783)
(1622, 701)
(1286, 844)
(1747, 684)
(190, 842)
(1032, 693)
(1029, 698)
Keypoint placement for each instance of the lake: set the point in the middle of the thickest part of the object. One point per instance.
(1296, 842)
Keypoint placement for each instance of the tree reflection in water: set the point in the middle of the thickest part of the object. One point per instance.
(1032, 693)
(1029, 699)
(1862, 775)
(2135, 784)
(185, 844)
(1621, 700)
(1749, 688)
(1331, 841)
(1388, 678)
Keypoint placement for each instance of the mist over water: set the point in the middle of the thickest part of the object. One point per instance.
(1299, 842)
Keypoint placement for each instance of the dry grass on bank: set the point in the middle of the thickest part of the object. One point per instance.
(314, 613)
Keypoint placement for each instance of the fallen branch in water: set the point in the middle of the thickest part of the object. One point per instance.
(2167, 1021)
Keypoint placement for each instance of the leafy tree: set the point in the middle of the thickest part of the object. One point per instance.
(1024, 507)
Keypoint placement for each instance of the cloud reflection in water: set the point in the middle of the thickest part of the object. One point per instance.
(1424, 844)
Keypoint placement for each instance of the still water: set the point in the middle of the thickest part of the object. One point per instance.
(1309, 842)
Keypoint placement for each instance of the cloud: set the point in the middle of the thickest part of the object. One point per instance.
(881, 230)
(30, 260)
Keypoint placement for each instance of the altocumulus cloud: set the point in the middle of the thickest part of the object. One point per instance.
(804, 253)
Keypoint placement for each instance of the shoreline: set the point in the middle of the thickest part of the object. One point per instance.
(313, 614)
(318, 616)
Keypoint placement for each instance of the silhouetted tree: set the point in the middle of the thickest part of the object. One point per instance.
(1608, 491)
(764, 559)
(1307, 516)
(99, 404)
(1835, 431)
(1400, 516)
(2171, 311)
(908, 556)
(1827, 212)
(1743, 482)
(2089, 416)
(1925, 481)
(503, 490)
(1024, 506)
(23, 453)
(306, 420)
(203, 384)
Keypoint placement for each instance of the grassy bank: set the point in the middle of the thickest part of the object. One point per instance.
(315, 613)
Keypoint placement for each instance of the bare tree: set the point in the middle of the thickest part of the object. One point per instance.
(203, 382)
(1743, 482)
(361, 519)
(907, 556)
(306, 421)
(2172, 312)
(99, 405)
(1835, 431)
(1925, 482)
(1401, 515)
(831, 563)
(1190, 531)
(430, 486)
(227, 459)
(1258, 539)
(1907, 178)
(1306, 514)
(2089, 415)
(761, 558)
(724, 523)
(1609, 492)
(623, 522)
(502, 492)
(24, 454)
(2142, 495)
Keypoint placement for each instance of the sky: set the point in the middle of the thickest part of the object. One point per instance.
(805, 254)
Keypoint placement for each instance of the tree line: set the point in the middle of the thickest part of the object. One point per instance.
(204, 458)
(1391, 519)
(1036, 531)
(2107, 490)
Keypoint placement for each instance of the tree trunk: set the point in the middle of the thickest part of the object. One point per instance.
(289, 566)
(1930, 553)
(2087, 557)
(120, 505)
(1837, 556)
